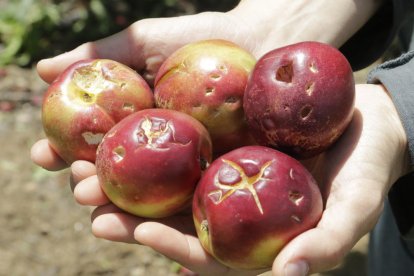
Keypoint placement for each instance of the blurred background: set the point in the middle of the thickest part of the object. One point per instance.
(42, 230)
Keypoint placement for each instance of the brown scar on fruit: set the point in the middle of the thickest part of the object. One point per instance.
(223, 69)
(295, 197)
(209, 90)
(92, 138)
(119, 153)
(215, 77)
(309, 88)
(313, 68)
(246, 182)
(285, 73)
(128, 107)
(204, 226)
(305, 112)
(231, 100)
(295, 218)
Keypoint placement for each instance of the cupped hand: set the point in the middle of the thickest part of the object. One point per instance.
(145, 44)
(355, 176)
(174, 237)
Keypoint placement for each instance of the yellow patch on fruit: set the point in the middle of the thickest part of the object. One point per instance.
(263, 254)
(139, 205)
(246, 182)
(203, 234)
(88, 82)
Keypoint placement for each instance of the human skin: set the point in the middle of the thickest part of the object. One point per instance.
(355, 175)
(147, 42)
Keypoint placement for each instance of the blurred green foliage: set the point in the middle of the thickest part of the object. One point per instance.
(35, 29)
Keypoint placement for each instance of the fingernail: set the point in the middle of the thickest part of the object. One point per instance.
(298, 268)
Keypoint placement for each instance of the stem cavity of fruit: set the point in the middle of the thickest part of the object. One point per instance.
(309, 88)
(285, 73)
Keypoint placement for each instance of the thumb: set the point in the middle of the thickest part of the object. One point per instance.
(324, 247)
(117, 47)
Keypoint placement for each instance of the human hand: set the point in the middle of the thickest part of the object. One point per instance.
(145, 44)
(355, 176)
(174, 237)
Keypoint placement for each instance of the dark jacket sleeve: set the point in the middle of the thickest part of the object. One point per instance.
(398, 78)
(371, 41)
(367, 46)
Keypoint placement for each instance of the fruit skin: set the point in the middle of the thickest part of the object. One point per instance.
(150, 162)
(206, 79)
(87, 100)
(246, 227)
(300, 98)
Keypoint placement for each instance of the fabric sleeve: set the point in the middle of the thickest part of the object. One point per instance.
(398, 78)
(370, 42)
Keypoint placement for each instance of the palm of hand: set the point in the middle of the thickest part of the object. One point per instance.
(147, 43)
(355, 176)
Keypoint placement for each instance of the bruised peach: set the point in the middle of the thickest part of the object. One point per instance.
(300, 98)
(87, 100)
(150, 162)
(251, 202)
(207, 79)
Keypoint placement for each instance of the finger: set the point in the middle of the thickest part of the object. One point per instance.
(110, 223)
(325, 246)
(120, 47)
(185, 249)
(44, 156)
(80, 170)
(89, 192)
(182, 248)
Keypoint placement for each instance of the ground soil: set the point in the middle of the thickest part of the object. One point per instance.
(43, 231)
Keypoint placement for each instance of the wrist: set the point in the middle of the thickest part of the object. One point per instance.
(396, 139)
(275, 23)
(403, 165)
